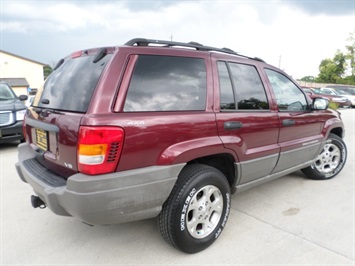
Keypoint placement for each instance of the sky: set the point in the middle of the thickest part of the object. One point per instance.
(294, 35)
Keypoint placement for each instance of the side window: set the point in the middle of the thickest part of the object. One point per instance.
(288, 96)
(250, 92)
(226, 90)
(244, 91)
(167, 83)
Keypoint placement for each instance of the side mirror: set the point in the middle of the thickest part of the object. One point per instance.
(320, 104)
(23, 97)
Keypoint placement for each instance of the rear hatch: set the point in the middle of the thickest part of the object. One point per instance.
(53, 121)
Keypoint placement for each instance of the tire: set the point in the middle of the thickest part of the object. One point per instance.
(330, 161)
(197, 209)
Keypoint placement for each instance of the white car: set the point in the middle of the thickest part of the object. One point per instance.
(331, 91)
(29, 100)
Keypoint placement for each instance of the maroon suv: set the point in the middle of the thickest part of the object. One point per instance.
(158, 128)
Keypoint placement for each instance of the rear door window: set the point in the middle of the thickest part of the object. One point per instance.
(71, 86)
(241, 87)
(167, 83)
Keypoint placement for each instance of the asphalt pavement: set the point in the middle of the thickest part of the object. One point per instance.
(289, 221)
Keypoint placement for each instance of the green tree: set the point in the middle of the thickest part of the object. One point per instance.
(351, 53)
(327, 69)
(47, 69)
(332, 70)
(340, 62)
(340, 69)
(308, 79)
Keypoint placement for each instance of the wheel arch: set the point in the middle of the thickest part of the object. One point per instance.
(338, 131)
(223, 162)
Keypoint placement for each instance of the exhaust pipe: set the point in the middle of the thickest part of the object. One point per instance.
(37, 202)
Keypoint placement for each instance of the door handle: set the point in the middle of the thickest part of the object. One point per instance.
(233, 125)
(288, 122)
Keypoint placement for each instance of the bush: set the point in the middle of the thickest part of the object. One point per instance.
(333, 105)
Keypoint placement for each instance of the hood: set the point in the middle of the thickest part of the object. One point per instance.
(11, 105)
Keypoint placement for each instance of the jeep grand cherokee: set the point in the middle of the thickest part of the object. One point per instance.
(170, 130)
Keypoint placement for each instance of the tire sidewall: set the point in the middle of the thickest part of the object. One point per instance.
(183, 239)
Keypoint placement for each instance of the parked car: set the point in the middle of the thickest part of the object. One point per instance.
(12, 111)
(341, 101)
(309, 92)
(348, 88)
(29, 101)
(338, 92)
(167, 129)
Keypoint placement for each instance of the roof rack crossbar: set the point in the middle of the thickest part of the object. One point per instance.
(197, 46)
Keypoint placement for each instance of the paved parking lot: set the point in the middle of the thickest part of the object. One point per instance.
(291, 220)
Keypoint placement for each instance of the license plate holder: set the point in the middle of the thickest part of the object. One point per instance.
(42, 139)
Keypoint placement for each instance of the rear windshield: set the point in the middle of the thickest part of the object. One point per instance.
(70, 87)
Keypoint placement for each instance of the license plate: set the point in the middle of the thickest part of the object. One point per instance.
(42, 139)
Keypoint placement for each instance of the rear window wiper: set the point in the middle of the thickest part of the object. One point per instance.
(54, 111)
(43, 110)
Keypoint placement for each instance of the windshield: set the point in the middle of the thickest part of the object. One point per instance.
(70, 87)
(6, 92)
(341, 92)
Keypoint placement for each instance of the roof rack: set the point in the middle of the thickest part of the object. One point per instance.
(197, 46)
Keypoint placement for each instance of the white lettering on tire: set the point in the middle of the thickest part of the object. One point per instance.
(184, 209)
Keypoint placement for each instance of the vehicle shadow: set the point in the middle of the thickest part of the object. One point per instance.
(8, 146)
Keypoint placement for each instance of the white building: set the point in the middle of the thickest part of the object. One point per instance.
(20, 73)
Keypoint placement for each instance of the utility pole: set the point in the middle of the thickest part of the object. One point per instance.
(171, 37)
(280, 61)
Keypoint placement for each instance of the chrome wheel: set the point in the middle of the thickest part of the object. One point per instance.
(330, 161)
(204, 211)
(329, 158)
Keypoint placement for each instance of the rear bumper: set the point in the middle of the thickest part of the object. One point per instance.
(102, 199)
(11, 133)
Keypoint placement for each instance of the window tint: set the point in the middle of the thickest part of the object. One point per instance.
(288, 96)
(71, 86)
(245, 88)
(167, 83)
(227, 95)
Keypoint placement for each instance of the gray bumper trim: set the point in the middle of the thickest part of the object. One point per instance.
(105, 199)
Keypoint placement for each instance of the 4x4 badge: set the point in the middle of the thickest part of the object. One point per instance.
(135, 123)
(68, 165)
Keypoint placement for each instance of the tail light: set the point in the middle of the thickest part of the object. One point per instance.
(99, 149)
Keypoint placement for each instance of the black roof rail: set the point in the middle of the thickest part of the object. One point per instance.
(196, 45)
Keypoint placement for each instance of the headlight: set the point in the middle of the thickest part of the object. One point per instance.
(20, 115)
